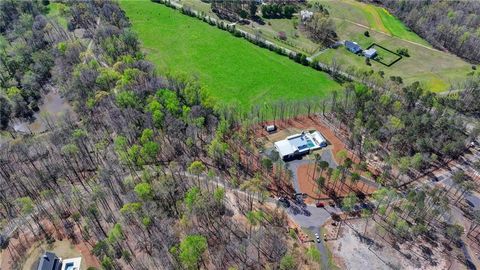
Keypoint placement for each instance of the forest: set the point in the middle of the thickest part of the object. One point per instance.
(25, 58)
(128, 178)
(151, 175)
(452, 25)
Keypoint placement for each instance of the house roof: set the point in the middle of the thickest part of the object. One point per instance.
(370, 52)
(49, 261)
(352, 46)
(284, 148)
(73, 263)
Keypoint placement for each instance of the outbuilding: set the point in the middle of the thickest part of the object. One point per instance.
(306, 15)
(370, 53)
(270, 128)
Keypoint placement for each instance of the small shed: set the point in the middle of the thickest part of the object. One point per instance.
(270, 128)
(306, 15)
(370, 53)
(353, 46)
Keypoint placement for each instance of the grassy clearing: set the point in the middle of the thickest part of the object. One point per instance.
(55, 12)
(377, 18)
(397, 28)
(385, 56)
(296, 40)
(231, 69)
(435, 69)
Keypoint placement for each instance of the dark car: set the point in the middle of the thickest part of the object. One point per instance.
(470, 203)
(367, 205)
(470, 265)
(284, 202)
(300, 194)
(320, 204)
(331, 203)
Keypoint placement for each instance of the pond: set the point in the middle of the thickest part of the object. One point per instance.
(53, 106)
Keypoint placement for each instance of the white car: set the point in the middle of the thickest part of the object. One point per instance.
(318, 237)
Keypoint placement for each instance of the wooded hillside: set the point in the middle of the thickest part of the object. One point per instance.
(454, 25)
(129, 178)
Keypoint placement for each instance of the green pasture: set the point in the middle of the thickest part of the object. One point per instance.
(377, 18)
(435, 69)
(231, 69)
(384, 56)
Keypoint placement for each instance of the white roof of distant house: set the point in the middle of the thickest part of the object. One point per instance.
(299, 144)
(370, 52)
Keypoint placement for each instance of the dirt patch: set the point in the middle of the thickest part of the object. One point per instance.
(306, 174)
(24, 249)
(303, 123)
(63, 249)
(353, 251)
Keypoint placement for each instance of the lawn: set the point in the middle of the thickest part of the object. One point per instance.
(231, 69)
(384, 56)
(436, 70)
(377, 18)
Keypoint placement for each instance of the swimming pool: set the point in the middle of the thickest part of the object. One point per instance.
(69, 266)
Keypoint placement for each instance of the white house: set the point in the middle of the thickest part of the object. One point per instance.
(50, 261)
(300, 144)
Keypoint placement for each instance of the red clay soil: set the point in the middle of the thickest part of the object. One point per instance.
(252, 161)
(20, 243)
(306, 123)
(307, 185)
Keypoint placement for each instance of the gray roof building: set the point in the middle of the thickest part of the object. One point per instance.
(370, 53)
(353, 46)
(49, 261)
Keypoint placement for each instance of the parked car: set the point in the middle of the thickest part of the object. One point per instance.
(470, 203)
(331, 203)
(300, 194)
(367, 205)
(284, 202)
(317, 237)
(320, 204)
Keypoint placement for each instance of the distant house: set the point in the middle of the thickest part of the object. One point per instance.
(353, 46)
(50, 261)
(370, 53)
(305, 15)
(299, 144)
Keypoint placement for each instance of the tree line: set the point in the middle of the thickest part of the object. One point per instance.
(445, 24)
(26, 38)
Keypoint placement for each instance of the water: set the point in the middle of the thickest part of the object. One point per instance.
(52, 108)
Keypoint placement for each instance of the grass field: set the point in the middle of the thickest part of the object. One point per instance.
(231, 69)
(372, 16)
(296, 40)
(435, 69)
(385, 56)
